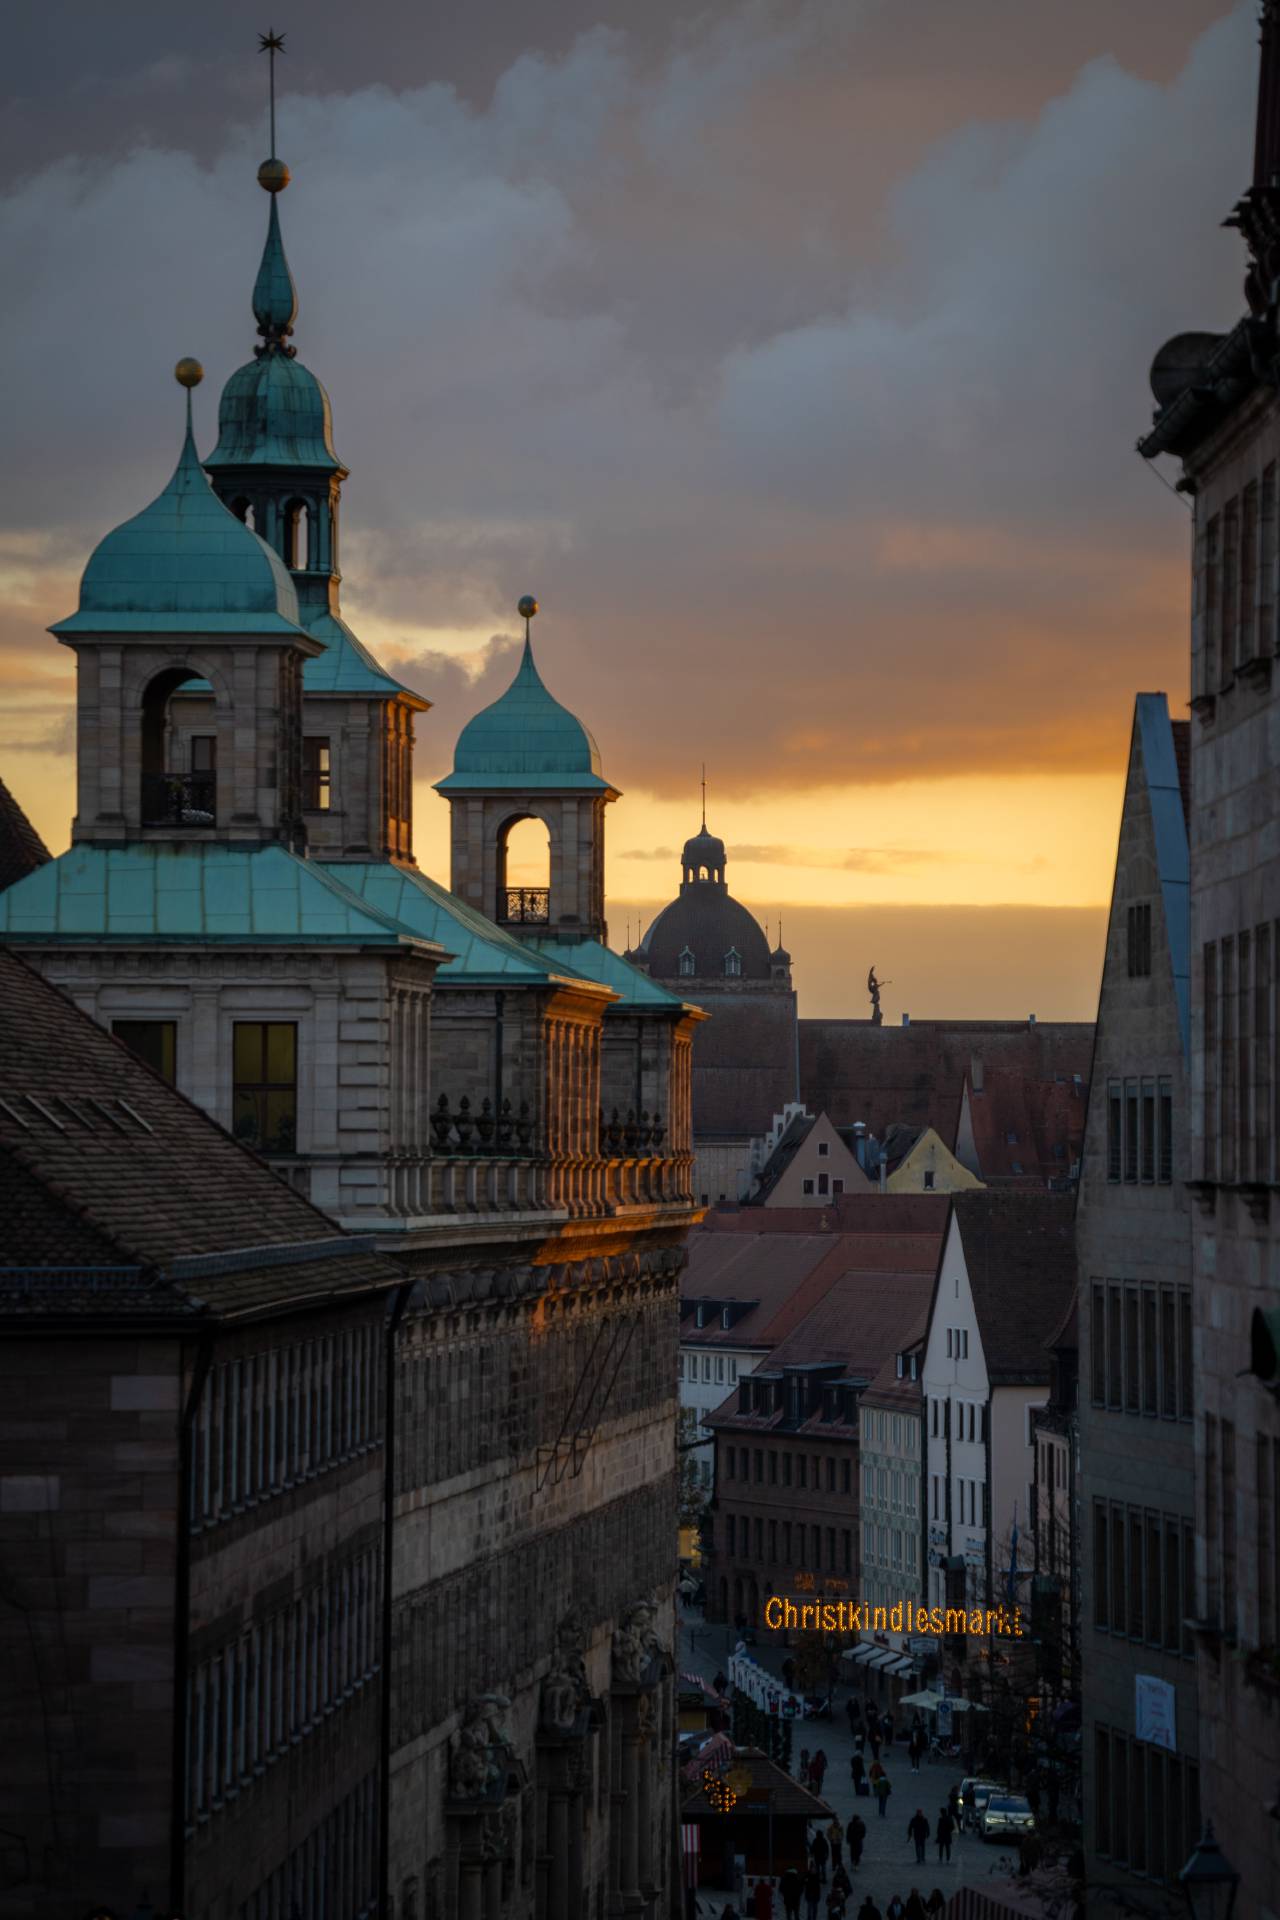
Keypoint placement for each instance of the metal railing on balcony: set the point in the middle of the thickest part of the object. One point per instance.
(179, 799)
(526, 906)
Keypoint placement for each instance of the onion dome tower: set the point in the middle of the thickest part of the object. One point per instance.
(527, 757)
(275, 467)
(185, 593)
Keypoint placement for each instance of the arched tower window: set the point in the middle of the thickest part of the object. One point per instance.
(733, 962)
(524, 873)
(296, 534)
(243, 510)
(688, 962)
(172, 796)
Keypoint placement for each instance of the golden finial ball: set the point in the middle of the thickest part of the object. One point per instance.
(273, 175)
(188, 372)
(526, 607)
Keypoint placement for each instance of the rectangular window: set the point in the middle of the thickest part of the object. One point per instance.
(1131, 1356)
(1134, 1575)
(807, 1186)
(758, 1529)
(1262, 1054)
(1150, 1352)
(706, 1366)
(1115, 1347)
(720, 1367)
(773, 1466)
(1227, 1063)
(1119, 1797)
(1101, 1575)
(265, 1091)
(831, 1473)
(730, 1533)
(1266, 561)
(802, 1469)
(1186, 1403)
(1209, 1118)
(679, 1366)
(1212, 1526)
(1188, 1587)
(773, 1541)
(1148, 1131)
(964, 1343)
(317, 783)
(786, 1469)
(824, 1183)
(786, 1541)
(204, 753)
(1102, 1790)
(1164, 1130)
(1115, 1130)
(1154, 1609)
(1230, 589)
(1168, 1354)
(1228, 1439)
(1248, 571)
(1117, 1601)
(1176, 1602)
(1131, 1130)
(155, 1041)
(1098, 1345)
(1139, 940)
(846, 1476)
(1212, 604)
(1137, 1807)
(758, 1463)
(1244, 1051)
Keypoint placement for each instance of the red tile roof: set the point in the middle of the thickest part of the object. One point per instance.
(915, 1075)
(1028, 1128)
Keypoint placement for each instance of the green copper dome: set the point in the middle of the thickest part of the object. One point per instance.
(184, 565)
(274, 412)
(526, 740)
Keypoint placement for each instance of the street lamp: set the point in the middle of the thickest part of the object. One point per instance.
(1209, 1880)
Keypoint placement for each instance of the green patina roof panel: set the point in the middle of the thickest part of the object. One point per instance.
(525, 741)
(275, 413)
(480, 949)
(602, 964)
(184, 565)
(194, 892)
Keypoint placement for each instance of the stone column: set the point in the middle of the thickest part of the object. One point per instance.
(471, 1890)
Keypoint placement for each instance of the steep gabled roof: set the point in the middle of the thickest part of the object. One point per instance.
(1019, 1254)
(1162, 772)
(117, 1194)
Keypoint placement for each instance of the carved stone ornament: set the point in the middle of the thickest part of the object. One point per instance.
(566, 1691)
(482, 1754)
(637, 1649)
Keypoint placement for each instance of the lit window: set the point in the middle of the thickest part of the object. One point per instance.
(317, 786)
(265, 1088)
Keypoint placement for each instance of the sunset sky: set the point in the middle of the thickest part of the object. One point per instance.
(792, 354)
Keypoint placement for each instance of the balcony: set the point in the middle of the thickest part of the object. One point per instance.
(525, 906)
(179, 799)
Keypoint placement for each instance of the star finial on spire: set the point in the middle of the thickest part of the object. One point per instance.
(272, 43)
(704, 796)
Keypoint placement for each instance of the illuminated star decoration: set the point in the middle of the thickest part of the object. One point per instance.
(718, 1791)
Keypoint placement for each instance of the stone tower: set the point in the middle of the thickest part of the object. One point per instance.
(527, 757)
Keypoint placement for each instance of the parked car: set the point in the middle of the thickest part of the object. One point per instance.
(970, 1789)
(1006, 1814)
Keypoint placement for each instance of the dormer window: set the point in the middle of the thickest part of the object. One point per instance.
(914, 1373)
(733, 963)
(901, 1368)
(316, 773)
(726, 1317)
(688, 963)
(700, 1318)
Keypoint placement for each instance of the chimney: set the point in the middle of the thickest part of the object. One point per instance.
(975, 1072)
(906, 1019)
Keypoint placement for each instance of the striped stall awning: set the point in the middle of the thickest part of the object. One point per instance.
(690, 1851)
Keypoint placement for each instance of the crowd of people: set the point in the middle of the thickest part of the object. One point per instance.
(823, 1890)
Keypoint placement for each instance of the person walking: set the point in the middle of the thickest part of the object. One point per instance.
(804, 1767)
(944, 1833)
(854, 1712)
(857, 1772)
(915, 1906)
(869, 1910)
(873, 1739)
(835, 1904)
(841, 1882)
(819, 1850)
(895, 1908)
(915, 1747)
(818, 1769)
(835, 1840)
(855, 1835)
(953, 1805)
(764, 1900)
(791, 1887)
(887, 1729)
(812, 1894)
(918, 1830)
(936, 1905)
(881, 1789)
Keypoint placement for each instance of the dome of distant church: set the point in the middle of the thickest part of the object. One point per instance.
(705, 933)
(184, 565)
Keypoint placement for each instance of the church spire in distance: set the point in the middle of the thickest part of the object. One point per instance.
(275, 298)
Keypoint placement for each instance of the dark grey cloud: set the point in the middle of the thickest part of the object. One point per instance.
(792, 354)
